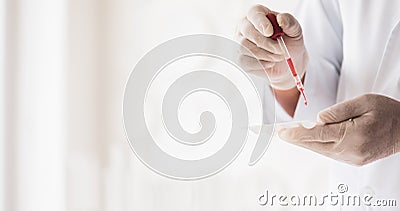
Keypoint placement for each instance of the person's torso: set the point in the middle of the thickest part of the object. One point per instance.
(371, 48)
(371, 63)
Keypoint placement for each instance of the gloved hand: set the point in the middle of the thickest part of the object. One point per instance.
(254, 32)
(358, 131)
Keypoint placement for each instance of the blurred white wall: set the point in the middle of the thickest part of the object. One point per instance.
(67, 64)
(35, 78)
(2, 106)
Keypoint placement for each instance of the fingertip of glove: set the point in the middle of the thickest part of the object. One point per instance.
(282, 19)
(325, 116)
(319, 120)
(283, 134)
(267, 30)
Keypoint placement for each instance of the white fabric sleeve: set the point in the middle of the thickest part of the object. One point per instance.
(322, 30)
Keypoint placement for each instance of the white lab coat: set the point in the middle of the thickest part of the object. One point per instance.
(354, 48)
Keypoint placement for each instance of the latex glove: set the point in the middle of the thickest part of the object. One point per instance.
(358, 131)
(254, 32)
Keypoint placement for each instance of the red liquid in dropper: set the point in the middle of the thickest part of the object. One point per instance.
(294, 73)
(291, 65)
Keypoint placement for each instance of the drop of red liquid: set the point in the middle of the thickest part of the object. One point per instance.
(304, 96)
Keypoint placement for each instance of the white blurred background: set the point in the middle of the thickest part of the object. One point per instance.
(64, 65)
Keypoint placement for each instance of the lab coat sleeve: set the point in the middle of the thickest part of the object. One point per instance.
(322, 29)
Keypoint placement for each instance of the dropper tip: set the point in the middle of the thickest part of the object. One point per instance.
(304, 96)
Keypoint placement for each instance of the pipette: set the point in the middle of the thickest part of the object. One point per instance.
(278, 35)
